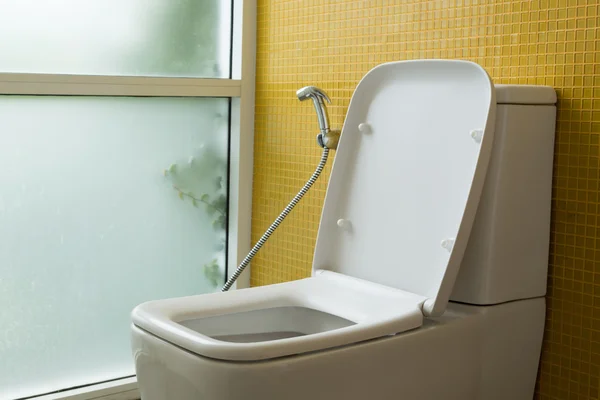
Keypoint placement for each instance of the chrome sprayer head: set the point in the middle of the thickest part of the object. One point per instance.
(318, 96)
(326, 138)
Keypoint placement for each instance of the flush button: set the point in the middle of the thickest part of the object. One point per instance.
(448, 244)
(364, 128)
(477, 135)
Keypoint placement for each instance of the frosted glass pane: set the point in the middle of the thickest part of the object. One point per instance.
(104, 203)
(116, 37)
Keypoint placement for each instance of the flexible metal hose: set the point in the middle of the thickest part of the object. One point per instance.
(277, 221)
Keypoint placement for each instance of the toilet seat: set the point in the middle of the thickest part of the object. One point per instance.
(404, 189)
(373, 311)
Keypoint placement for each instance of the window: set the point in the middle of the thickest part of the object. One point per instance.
(125, 171)
(113, 37)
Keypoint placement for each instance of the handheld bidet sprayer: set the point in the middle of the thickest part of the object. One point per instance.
(327, 139)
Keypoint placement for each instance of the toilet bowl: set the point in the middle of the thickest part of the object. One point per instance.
(440, 191)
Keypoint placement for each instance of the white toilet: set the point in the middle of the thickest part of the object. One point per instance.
(440, 191)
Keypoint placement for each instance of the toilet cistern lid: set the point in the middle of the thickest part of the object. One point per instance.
(407, 177)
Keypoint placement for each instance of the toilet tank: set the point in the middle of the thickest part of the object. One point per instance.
(507, 254)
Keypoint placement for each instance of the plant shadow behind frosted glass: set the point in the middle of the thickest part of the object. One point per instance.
(187, 38)
(105, 203)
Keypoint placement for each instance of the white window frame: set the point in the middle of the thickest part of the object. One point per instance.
(240, 89)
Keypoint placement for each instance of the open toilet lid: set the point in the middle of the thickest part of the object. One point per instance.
(407, 177)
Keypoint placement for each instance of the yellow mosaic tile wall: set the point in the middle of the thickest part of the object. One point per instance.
(333, 43)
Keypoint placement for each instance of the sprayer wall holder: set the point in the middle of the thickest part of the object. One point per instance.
(329, 139)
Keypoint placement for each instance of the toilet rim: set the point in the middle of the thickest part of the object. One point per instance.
(374, 310)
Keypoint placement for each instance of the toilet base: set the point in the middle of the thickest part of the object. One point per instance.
(470, 353)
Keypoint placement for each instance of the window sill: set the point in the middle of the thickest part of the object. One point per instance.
(121, 389)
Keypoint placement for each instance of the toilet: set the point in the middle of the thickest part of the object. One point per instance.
(429, 272)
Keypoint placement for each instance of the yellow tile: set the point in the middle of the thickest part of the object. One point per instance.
(332, 44)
